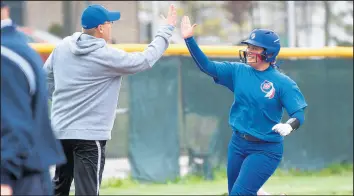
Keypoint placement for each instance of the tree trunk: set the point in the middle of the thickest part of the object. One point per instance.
(327, 8)
(251, 15)
(67, 16)
(194, 14)
(192, 9)
(285, 21)
(306, 22)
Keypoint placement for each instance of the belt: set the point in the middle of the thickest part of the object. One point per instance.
(249, 137)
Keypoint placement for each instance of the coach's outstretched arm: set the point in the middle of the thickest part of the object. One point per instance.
(130, 63)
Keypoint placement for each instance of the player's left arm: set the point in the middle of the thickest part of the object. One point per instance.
(294, 102)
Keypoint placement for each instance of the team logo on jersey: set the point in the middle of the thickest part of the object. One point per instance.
(268, 88)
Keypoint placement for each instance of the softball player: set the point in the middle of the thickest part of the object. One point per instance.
(260, 94)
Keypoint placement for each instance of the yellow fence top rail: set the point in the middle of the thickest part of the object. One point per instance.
(231, 51)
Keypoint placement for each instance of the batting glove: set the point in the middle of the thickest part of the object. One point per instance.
(282, 129)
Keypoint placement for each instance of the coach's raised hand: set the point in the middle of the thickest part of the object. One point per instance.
(171, 16)
(186, 29)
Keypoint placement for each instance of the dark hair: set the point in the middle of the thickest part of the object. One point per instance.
(277, 67)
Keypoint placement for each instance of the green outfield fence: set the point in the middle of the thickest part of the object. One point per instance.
(175, 110)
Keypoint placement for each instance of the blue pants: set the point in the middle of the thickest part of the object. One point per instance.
(33, 184)
(250, 164)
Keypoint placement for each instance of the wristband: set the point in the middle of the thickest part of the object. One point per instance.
(294, 123)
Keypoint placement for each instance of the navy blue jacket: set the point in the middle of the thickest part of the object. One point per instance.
(27, 140)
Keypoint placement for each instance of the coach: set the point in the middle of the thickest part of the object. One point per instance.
(84, 78)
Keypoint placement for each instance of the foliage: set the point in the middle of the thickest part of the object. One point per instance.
(333, 19)
(206, 25)
(238, 10)
(56, 29)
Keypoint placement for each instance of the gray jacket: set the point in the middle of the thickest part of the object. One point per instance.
(84, 77)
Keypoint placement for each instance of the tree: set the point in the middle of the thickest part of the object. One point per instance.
(67, 18)
(328, 13)
(207, 26)
(56, 29)
(305, 19)
(239, 12)
(337, 20)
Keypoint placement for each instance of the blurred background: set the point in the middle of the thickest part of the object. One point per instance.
(299, 24)
(172, 120)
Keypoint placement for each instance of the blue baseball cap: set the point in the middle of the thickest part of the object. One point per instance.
(95, 15)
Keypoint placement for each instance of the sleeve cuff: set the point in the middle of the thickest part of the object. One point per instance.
(189, 39)
(165, 31)
(171, 27)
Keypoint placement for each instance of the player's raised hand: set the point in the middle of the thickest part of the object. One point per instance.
(186, 29)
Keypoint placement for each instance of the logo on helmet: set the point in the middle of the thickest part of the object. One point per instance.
(253, 35)
(268, 88)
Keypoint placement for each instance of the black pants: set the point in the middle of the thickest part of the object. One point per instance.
(85, 162)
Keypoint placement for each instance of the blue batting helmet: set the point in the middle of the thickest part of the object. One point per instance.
(266, 39)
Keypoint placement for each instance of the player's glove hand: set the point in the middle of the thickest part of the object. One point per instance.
(282, 129)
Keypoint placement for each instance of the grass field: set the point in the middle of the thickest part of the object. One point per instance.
(332, 181)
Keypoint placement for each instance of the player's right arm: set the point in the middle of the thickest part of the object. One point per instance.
(222, 72)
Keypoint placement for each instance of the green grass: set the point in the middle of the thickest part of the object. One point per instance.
(316, 185)
(334, 180)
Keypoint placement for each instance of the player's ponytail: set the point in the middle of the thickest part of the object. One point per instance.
(276, 66)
